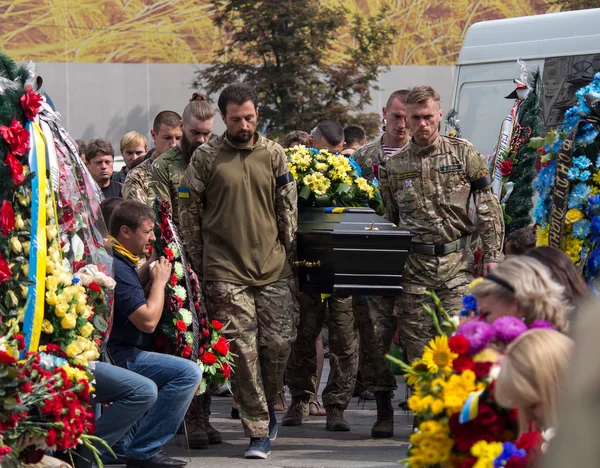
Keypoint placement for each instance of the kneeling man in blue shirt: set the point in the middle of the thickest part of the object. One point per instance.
(132, 342)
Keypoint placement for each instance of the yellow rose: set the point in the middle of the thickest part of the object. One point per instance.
(61, 309)
(49, 267)
(51, 283)
(47, 327)
(25, 269)
(26, 247)
(19, 223)
(573, 215)
(69, 321)
(15, 245)
(86, 330)
(51, 298)
(87, 311)
(51, 232)
(73, 309)
(66, 295)
(13, 299)
(12, 322)
(24, 291)
(73, 349)
(23, 200)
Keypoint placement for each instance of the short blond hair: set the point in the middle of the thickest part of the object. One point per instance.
(532, 372)
(529, 282)
(131, 139)
(422, 94)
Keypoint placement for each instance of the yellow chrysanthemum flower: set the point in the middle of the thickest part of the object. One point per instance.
(438, 355)
(596, 177)
(541, 236)
(573, 215)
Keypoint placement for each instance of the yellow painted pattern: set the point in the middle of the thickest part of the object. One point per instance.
(430, 32)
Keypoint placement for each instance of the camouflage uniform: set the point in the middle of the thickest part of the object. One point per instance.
(166, 173)
(343, 350)
(238, 219)
(429, 191)
(374, 315)
(137, 181)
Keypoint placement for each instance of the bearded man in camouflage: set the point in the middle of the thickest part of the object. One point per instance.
(428, 186)
(238, 218)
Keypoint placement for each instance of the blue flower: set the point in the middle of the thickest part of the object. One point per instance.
(50, 362)
(582, 162)
(593, 206)
(595, 229)
(585, 175)
(354, 165)
(579, 196)
(509, 450)
(375, 182)
(573, 173)
(581, 229)
(593, 263)
(75, 281)
(469, 302)
(598, 162)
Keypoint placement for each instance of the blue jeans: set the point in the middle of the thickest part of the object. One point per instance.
(177, 380)
(130, 395)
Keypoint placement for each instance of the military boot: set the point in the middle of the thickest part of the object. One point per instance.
(335, 419)
(196, 432)
(296, 412)
(384, 427)
(214, 436)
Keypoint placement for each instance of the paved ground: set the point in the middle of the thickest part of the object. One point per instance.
(309, 445)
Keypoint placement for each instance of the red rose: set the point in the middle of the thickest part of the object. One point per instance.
(506, 168)
(169, 254)
(186, 351)
(489, 419)
(205, 332)
(7, 218)
(482, 369)
(173, 279)
(15, 168)
(4, 450)
(458, 344)
(463, 363)
(21, 342)
(17, 137)
(31, 103)
(7, 359)
(94, 287)
(181, 326)
(216, 325)
(530, 441)
(226, 370)
(221, 346)
(208, 358)
(26, 387)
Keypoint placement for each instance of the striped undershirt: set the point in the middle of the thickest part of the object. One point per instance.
(389, 150)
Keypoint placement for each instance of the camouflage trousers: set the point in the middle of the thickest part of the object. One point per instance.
(343, 350)
(415, 325)
(376, 329)
(262, 324)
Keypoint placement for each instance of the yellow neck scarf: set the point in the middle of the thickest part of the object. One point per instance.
(118, 247)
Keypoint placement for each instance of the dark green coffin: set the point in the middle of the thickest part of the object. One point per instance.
(352, 252)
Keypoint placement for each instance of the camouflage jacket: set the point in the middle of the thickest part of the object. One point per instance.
(166, 173)
(137, 182)
(238, 212)
(371, 153)
(430, 189)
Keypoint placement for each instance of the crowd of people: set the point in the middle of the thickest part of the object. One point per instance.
(233, 203)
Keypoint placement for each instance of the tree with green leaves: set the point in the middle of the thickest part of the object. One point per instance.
(291, 51)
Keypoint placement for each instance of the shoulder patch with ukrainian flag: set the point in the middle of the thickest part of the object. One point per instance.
(183, 192)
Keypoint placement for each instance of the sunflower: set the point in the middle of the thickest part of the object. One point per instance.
(438, 355)
(418, 368)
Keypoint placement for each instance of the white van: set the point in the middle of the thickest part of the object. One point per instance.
(564, 46)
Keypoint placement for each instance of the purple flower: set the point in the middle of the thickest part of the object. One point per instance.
(508, 328)
(478, 333)
(541, 324)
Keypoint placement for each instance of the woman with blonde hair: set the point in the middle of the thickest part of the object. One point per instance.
(521, 286)
(531, 376)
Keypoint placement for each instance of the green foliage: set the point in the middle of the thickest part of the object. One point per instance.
(284, 48)
(520, 204)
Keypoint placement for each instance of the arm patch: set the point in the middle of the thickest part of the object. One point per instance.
(284, 179)
(482, 183)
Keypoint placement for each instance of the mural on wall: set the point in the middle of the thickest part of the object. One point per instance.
(430, 32)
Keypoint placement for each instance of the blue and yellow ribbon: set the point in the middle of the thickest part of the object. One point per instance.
(34, 307)
(471, 408)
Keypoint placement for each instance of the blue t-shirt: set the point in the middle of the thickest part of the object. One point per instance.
(126, 340)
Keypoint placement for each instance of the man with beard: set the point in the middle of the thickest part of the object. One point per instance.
(238, 217)
(166, 133)
(166, 172)
(165, 175)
